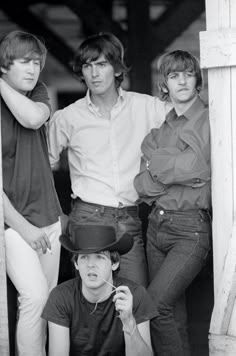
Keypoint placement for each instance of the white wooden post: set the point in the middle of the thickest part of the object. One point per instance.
(4, 337)
(218, 55)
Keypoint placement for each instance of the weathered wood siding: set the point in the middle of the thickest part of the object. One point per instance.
(218, 55)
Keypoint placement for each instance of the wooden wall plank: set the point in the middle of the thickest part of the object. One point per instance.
(220, 101)
(222, 345)
(218, 48)
(232, 325)
(225, 298)
(222, 180)
(221, 52)
(218, 14)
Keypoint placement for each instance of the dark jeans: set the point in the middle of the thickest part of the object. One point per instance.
(177, 246)
(133, 264)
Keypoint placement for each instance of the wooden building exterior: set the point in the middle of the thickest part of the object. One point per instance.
(218, 55)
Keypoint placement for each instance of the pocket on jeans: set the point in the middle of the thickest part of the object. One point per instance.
(203, 246)
(81, 216)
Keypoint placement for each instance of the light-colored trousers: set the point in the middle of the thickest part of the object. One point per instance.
(34, 274)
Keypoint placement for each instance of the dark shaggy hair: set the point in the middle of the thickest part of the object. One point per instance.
(177, 61)
(19, 44)
(101, 44)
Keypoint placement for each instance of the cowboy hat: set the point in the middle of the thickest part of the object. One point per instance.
(92, 238)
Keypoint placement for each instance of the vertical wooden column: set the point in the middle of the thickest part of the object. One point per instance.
(218, 55)
(4, 335)
(139, 45)
(215, 55)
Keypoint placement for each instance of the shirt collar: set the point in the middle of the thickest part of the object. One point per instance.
(121, 97)
(171, 116)
(121, 93)
(88, 98)
(197, 106)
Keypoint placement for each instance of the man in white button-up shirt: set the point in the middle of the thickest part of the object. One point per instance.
(103, 133)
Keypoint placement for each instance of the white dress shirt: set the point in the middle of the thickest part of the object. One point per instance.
(104, 154)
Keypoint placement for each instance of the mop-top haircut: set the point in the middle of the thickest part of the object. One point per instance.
(19, 44)
(101, 44)
(177, 61)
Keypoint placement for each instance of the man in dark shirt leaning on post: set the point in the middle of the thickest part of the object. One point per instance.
(175, 178)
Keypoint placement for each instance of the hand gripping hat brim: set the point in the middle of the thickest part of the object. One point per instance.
(94, 238)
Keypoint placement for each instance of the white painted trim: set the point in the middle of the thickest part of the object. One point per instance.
(222, 345)
(224, 301)
(218, 48)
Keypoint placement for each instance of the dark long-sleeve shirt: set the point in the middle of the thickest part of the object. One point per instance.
(175, 166)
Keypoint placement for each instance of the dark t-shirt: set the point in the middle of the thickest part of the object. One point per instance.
(99, 333)
(27, 176)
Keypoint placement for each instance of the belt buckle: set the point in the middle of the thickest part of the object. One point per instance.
(120, 205)
(120, 209)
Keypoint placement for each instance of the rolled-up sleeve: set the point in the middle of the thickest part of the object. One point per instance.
(57, 136)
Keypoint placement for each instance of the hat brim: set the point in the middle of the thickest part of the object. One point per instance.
(123, 245)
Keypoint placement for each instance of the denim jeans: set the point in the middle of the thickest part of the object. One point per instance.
(34, 274)
(133, 265)
(177, 246)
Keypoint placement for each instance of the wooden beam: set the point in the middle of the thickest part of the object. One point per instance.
(220, 15)
(221, 22)
(218, 48)
(96, 16)
(139, 49)
(144, 39)
(177, 17)
(28, 21)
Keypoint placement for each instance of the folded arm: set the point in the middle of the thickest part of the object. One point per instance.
(27, 112)
(57, 137)
(145, 184)
(173, 166)
(187, 162)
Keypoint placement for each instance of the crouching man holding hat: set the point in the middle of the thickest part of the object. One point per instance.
(98, 313)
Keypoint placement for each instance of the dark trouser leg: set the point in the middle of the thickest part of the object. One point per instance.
(177, 246)
(133, 265)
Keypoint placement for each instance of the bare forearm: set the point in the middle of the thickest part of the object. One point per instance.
(28, 113)
(137, 338)
(135, 345)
